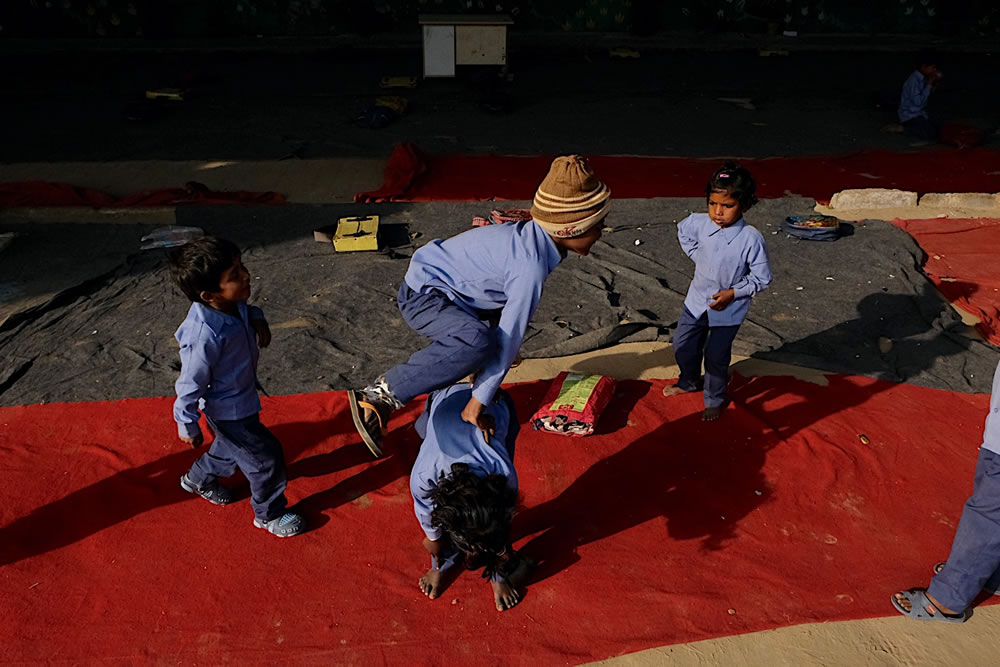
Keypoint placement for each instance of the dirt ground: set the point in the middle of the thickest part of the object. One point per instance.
(63, 119)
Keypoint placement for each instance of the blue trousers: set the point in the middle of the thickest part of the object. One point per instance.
(460, 344)
(921, 128)
(246, 445)
(974, 562)
(694, 341)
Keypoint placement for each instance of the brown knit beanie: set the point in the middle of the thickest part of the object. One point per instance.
(570, 199)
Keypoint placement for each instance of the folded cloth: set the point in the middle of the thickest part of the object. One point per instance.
(574, 404)
(510, 215)
(561, 424)
(499, 217)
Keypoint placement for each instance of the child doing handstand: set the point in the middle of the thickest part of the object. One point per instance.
(464, 490)
(731, 265)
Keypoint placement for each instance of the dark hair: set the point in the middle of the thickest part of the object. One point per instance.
(735, 181)
(475, 513)
(198, 265)
(927, 57)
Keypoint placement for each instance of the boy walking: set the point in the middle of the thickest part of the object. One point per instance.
(474, 294)
(218, 347)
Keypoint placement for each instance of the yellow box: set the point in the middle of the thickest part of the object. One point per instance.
(356, 234)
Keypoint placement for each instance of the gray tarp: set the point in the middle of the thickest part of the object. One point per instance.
(89, 317)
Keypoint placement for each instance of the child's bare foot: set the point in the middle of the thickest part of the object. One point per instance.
(505, 593)
(711, 414)
(435, 582)
(673, 390)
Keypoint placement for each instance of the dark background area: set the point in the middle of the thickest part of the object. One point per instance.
(224, 18)
(272, 79)
(560, 98)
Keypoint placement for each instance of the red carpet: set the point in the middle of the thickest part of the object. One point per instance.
(414, 176)
(44, 194)
(963, 260)
(662, 530)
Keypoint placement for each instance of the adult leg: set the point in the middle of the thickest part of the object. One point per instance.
(975, 551)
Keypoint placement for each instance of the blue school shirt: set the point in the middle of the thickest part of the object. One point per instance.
(218, 366)
(991, 433)
(731, 257)
(448, 440)
(486, 268)
(913, 100)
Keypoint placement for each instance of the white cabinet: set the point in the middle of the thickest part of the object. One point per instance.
(451, 40)
(439, 50)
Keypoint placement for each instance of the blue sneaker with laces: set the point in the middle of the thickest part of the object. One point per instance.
(286, 525)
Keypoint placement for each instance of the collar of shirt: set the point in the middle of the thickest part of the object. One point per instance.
(216, 319)
(729, 233)
(555, 254)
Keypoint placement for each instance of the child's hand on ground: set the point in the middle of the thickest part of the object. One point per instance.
(263, 332)
(722, 299)
(473, 414)
(195, 441)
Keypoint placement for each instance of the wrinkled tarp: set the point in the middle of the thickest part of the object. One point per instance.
(859, 305)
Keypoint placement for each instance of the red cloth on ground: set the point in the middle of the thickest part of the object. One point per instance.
(658, 529)
(45, 194)
(403, 170)
(963, 260)
(418, 177)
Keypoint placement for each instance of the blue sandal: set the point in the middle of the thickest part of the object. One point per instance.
(921, 606)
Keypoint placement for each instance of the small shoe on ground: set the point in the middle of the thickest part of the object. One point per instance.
(213, 492)
(286, 525)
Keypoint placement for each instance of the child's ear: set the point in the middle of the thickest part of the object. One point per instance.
(206, 296)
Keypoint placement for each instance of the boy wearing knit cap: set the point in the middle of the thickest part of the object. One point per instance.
(474, 294)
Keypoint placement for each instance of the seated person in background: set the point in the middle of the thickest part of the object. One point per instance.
(913, 101)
